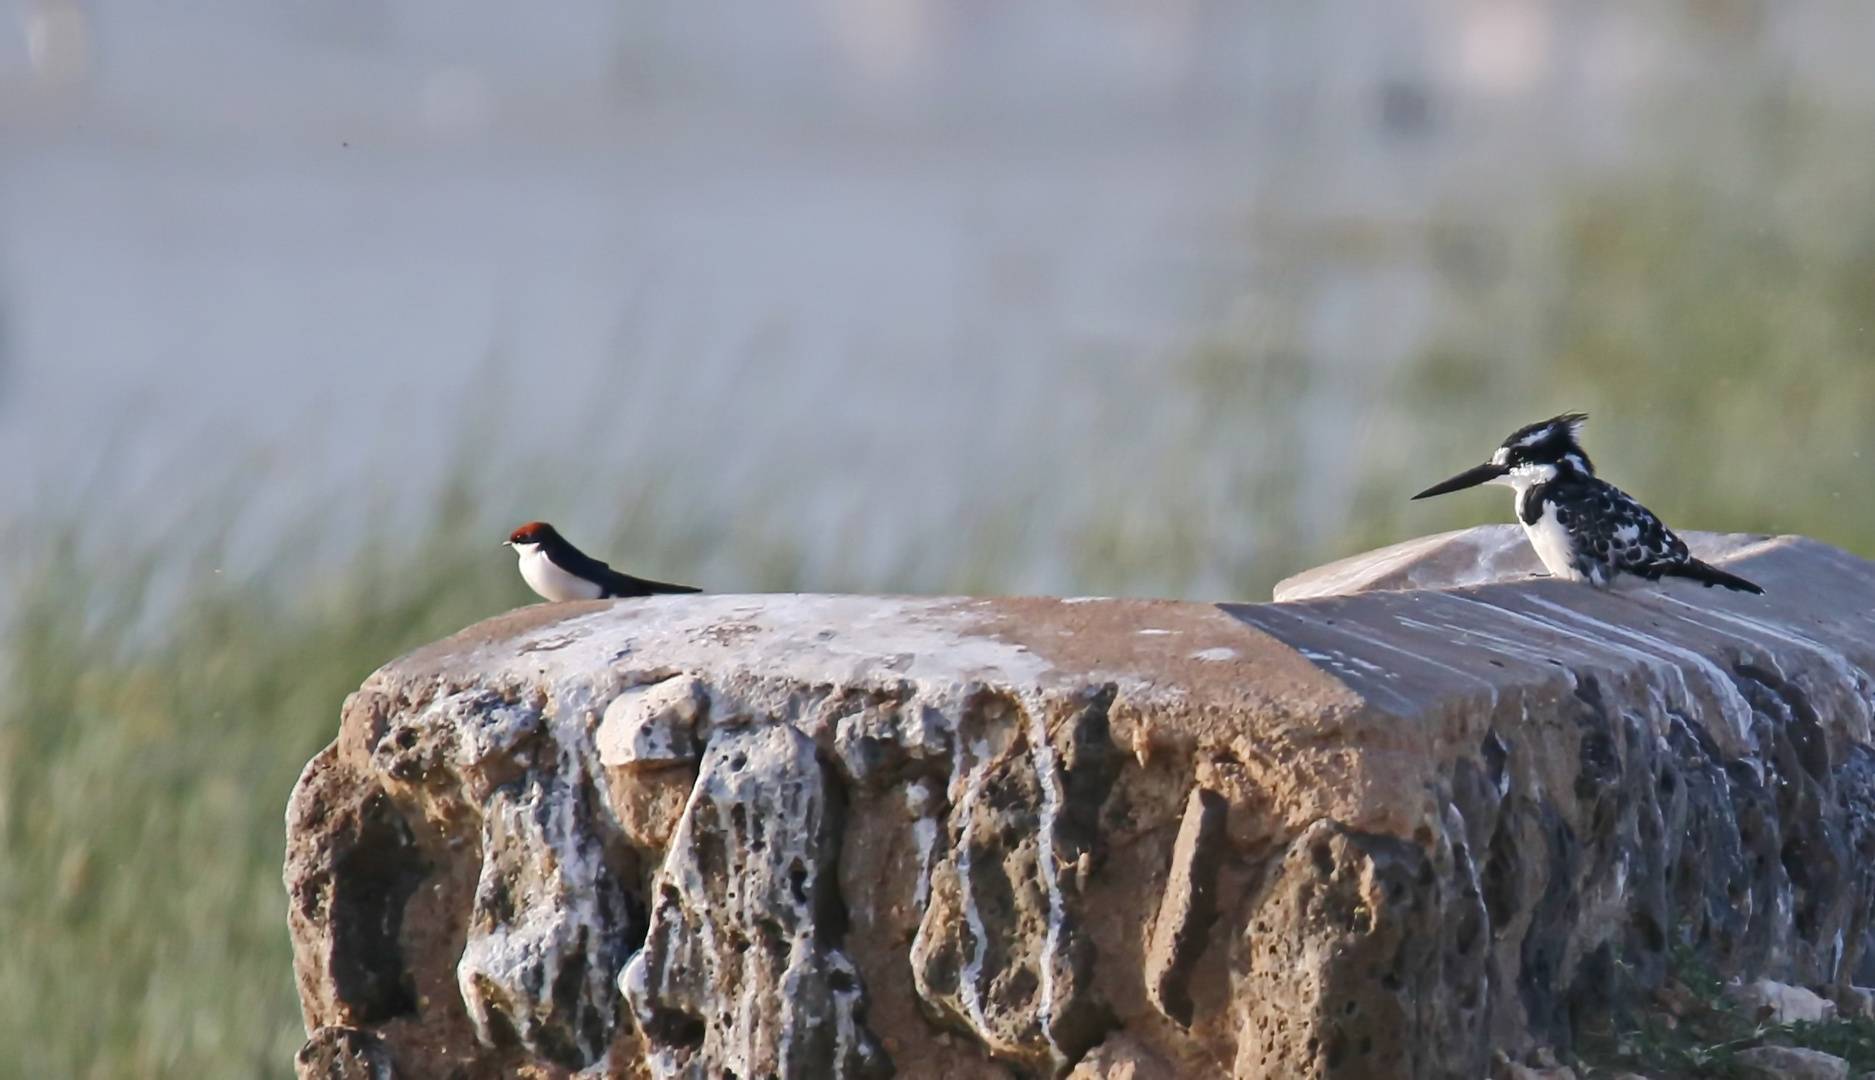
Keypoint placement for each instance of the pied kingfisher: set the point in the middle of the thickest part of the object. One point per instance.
(1582, 527)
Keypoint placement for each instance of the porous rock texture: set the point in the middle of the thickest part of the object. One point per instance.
(1378, 831)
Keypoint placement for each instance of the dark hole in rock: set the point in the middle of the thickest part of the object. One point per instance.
(739, 762)
(840, 981)
(406, 738)
(1497, 663)
(1337, 1050)
(1324, 859)
(1652, 936)
(774, 941)
(1021, 987)
(1499, 883)
(501, 1030)
(1598, 765)
(674, 1027)
(1465, 938)
(371, 883)
(569, 982)
(572, 1044)
(797, 882)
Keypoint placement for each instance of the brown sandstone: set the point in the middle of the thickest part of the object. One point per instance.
(1378, 832)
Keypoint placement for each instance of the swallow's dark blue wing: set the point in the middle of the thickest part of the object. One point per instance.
(614, 583)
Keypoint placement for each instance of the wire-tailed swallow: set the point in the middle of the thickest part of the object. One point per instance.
(559, 571)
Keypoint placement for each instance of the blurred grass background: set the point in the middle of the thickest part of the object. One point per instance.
(1710, 307)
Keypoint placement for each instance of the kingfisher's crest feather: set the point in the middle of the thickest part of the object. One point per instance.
(1567, 426)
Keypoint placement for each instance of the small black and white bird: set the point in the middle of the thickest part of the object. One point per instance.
(1582, 527)
(559, 571)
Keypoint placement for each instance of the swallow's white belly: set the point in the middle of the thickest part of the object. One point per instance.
(549, 580)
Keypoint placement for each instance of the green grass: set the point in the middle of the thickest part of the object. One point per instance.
(1692, 1031)
(145, 759)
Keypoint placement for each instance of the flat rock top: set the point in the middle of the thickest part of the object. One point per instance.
(1352, 648)
(1150, 648)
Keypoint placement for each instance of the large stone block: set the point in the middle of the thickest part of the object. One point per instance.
(1428, 809)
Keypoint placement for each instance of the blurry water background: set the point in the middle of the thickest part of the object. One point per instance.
(303, 305)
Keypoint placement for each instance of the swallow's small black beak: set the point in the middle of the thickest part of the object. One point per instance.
(1484, 473)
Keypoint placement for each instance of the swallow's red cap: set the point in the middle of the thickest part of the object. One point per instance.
(534, 532)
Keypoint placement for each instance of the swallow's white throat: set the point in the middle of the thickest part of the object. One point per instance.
(546, 578)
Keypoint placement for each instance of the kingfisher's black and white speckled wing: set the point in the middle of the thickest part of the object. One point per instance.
(1598, 531)
(1613, 532)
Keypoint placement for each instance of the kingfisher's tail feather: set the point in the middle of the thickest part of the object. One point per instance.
(1709, 576)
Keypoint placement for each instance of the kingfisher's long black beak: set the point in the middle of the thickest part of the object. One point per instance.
(1484, 473)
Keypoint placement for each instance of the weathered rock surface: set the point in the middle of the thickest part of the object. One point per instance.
(1782, 1004)
(1792, 1063)
(740, 973)
(1375, 835)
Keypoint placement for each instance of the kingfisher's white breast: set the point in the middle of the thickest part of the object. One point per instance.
(1553, 544)
(549, 580)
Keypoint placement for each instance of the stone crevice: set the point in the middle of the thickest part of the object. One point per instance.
(1000, 951)
(742, 971)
